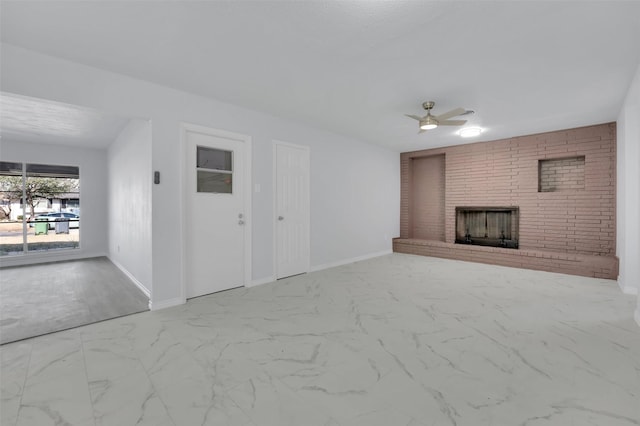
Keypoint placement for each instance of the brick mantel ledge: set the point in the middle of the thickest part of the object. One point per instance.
(566, 263)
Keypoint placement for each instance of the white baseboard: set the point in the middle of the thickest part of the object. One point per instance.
(261, 281)
(35, 258)
(138, 284)
(351, 260)
(627, 289)
(163, 304)
(271, 279)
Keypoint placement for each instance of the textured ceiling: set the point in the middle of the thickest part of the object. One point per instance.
(41, 121)
(356, 67)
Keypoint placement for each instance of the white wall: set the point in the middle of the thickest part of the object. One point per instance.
(129, 202)
(628, 192)
(93, 195)
(355, 188)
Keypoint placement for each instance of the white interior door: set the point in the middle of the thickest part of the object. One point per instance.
(215, 218)
(292, 209)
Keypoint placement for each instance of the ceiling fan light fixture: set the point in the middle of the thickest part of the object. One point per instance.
(470, 132)
(428, 124)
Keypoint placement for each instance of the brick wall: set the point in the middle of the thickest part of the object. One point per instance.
(569, 220)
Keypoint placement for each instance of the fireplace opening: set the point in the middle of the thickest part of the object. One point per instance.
(487, 226)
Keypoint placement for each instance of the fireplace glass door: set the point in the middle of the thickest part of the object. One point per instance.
(487, 226)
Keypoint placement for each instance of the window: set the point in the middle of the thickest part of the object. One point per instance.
(35, 208)
(214, 169)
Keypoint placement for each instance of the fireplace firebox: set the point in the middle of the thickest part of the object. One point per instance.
(487, 226)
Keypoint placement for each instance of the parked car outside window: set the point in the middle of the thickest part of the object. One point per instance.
(74, 219)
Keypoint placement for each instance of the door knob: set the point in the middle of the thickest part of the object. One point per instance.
(280, 218)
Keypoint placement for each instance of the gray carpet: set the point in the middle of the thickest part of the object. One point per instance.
(41, 299)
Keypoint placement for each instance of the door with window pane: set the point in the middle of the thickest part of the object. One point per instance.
(215, 244)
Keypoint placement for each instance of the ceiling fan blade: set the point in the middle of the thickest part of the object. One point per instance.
(452, 122)
(415, 117)
(452, 113)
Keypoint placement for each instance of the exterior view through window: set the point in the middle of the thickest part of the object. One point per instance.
(39, 208)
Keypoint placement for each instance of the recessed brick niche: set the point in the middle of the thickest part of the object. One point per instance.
(561, 184)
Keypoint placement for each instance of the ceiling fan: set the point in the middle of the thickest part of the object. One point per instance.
(429, 121)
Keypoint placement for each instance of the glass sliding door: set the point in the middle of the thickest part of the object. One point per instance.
(44, 207)
(12, 223)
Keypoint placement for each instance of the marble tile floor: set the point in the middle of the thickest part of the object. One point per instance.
(40, 299)
(395, 340)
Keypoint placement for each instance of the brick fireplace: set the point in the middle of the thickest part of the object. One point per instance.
(487, 226)
(543, 201)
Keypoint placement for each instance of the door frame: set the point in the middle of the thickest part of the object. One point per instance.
(209, 131)
(274, 167)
